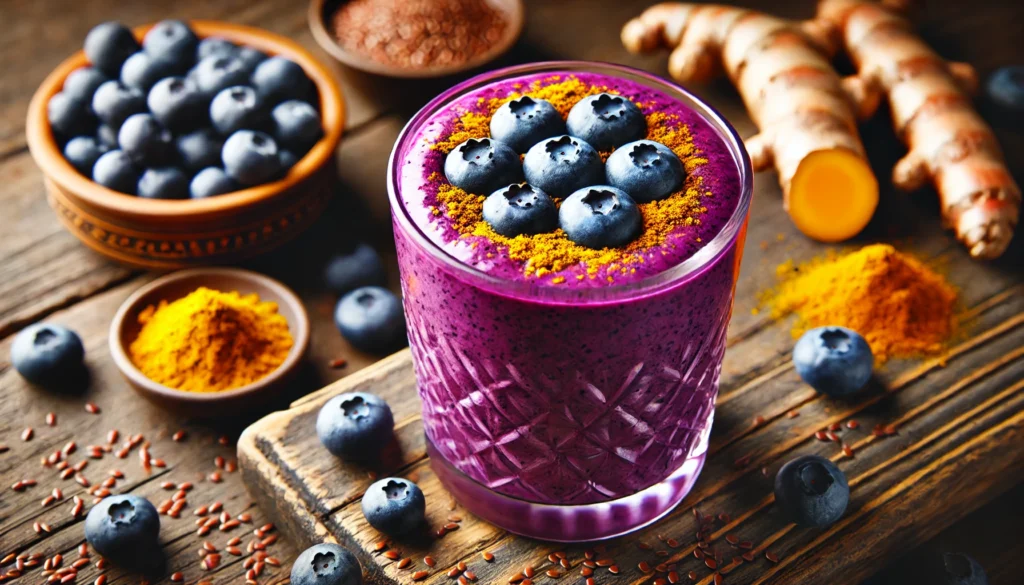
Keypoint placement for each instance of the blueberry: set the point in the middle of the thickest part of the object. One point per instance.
(326, 564)
(600, 217)
(147, 142)
(199, 149)
(525, 121)
(164, 183)
(218, 72)
(250, 157)
(250, 57)
(833, 360)
(482, 166)
(172, 40)
(83, 82)
(371, 319)
(279, 79)
(645, 169)
(211, 181)
(1005, 88)
(106, 136)
(108, 45)
(68, 116)
(361, 267)
(45, 354)
(121, 527)
(562, 165)
(395, 506)
(211, 46)
(114, 101)
(520, 209)
(177, 104)
(961, 569)
(82, 152)
(355, 425)
(606, 121)
(115, 170)
(812, 491)
(237, 108)
(296, 125)
(142, 71)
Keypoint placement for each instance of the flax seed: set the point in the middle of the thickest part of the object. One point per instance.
(553, 573)
(453, 573)
(586, 571)
(91, 408)
(718, 579)
(605, 562)
(673, 577)
(69, 578)
(793, 414)
(51, 419)
(832, 437)
(552, 558)
(451, 526)
(83, 550)
(101, 564)
(462, 580)
(112, 436)
(660, 581)
(392, 554)
(528, 572)
(488, 556)
(590, 581)
(517, 579)
(401, 564)
(269, 540)
(215, 477)
(614, 569)
(224, 440)
(852, 424)
(419, 575)
(179, 495)
(589, 563)
(673, 543)
(732, 539)
(461, 566)
(80, 563)
(772, 557)
(203, 530)
(644, 566)
(710, 562)
(218, 462)
(565, 563)
(470, 575)
(27, 434)
(178, 436)
(821, 436)
(249, 562)
(233, 550)
(229, 525)
(101, 580)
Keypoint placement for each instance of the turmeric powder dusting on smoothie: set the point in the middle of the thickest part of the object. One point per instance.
(210, 341)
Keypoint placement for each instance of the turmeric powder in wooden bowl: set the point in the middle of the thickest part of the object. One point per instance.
(169, 234)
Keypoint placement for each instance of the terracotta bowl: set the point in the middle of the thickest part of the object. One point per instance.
(321, 11)
(125, 328)
(164, 235)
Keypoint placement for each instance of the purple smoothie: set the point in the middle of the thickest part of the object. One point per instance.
(573, 387)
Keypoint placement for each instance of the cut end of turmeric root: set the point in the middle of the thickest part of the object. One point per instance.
(832, 195)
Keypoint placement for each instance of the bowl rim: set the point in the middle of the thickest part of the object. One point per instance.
(300, 336)
(514, 9)
(51, 161)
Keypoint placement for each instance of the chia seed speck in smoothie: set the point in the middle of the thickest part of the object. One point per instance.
(552, 373)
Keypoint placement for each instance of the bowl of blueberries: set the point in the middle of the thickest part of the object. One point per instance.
(186, 143)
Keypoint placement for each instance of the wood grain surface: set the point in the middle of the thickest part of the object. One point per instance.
(46, 274)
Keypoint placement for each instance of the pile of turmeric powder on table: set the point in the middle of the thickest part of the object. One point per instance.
(900, 306)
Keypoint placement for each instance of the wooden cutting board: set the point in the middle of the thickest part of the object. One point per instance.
(958, 422)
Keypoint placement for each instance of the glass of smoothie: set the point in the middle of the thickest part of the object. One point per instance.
(569, 237)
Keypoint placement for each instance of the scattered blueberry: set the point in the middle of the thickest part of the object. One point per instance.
(371, 319)
(600, 217)
(82, 83)
(45, 354)
(296, 125)
(172, 40)
(279, 79)
(326, 564)
(606, 121)
(143, 70)
(82, 152)
(122, 526)
(218, 72)
(482, 166)
(961, 569)
(833, 360)
(211, 46)
(361, 267)
(394, 506)
(562, 165)
(68, 116)
(108, 45)
(250, 157)
(114, 101)
(106, 136)
(237, 108)
(355, 425)
(250, 57)
(211, 181)
(1005, 89)
(812, 491)
(520, 209)
(199, 149)
(115, 170)
(645, 169)
(164, 183)
(177, 104)
(525, 121)
(147, 142)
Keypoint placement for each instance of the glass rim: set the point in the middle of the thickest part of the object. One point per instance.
(526, 290)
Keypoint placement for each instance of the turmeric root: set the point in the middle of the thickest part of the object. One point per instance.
(806, 114)
(949, 143)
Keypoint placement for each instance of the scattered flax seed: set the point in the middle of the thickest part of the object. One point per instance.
(179, 436)
(772, 557)
(565, 563)
(215, 477)
(673, 577)
(662, 568)
(710, 562)
(224, 440)
(91, 408)
(821, 436)
(890, 429)
(462, 580)
(643, 546)
(168, 485)
(27, 434)
(605, 562)
(401, 564)
(719, 578)
(470, 575)
(614, 569)
(758, 420)
(488, 556)
(852, 424)
(793, 414)
(586, 571)
(381, 545)
(429, 561)
(590, 581)
(48, 500)
(101, 580)
(453, 573)
(644, 566)
(673, 543)
(337, 363)
(451, 526)
(419, 575)
(392, 554)
(660, 581)
(835, 426)
(528, 571)
(177, 577)
(878, 430)
(218, 462)
(80, 465)
(101, 564)
(553, 573)
(832, 437)
(51, 419)
(847, 451)
(231, 466)
(732, 539)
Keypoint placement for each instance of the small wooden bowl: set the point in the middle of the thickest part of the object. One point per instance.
(320, 12)
(163, 235)
(125, 328)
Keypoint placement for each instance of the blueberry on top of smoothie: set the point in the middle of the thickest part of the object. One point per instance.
(561, 165)
(833, 360)
(394, 506)
(525, 121)
(520, 209)
(645, 169)
(606, 121)
(482, 166)
(326, 564)
(600, 217)
(812, 491)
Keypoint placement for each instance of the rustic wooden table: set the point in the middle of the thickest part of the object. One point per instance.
(46, 274)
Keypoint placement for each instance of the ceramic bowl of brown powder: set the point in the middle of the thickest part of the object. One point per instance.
(415, 38)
